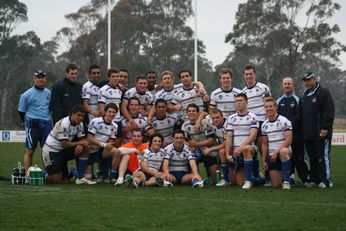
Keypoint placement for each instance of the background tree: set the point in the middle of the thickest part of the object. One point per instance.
(146, 35)
(20, 55)
(280, 37)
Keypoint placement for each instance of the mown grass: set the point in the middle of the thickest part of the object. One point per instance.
(104, 207)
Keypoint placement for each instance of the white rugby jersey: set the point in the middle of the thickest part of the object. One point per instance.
(274, 130)
(108, 94)
(220, 132)
(63, 130)
(255, 96)
(90, 92)
(165, 126)
(168, 95)
(186, 97)
(206, 130)
(240, 125)
(154, 159)
(145, 99)
(102, 131)
(178, 160)
(224, 100)
(140, 120)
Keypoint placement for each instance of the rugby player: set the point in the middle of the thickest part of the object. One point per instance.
(67, 142)
(223, 98)
(277, 131)
(242, 128)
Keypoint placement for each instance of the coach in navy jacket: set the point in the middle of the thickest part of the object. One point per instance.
(318, 117)
(290, 106)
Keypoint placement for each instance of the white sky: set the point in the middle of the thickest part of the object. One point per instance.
(215, 20)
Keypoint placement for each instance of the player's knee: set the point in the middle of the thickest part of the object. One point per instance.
(284, 154)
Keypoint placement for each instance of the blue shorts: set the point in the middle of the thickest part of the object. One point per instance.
(95, 157)
(179, 175)
(277, 165)
(56, 162)
(36, 131)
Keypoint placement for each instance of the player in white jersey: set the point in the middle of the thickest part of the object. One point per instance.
(150, 164)
(110, 93)
(67, 142)
(179, 164)
(199, 140)
(162, 123)
(189, 94)
(223, 98)
(277, 131)
(102, 133)
(242, 128)
(138, 120)
(90, 92)
(219, 124)
(256, 93)
(141, 92)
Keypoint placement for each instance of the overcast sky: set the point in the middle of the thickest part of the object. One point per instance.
(215, 20)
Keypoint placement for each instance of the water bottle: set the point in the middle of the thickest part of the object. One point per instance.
(218, 176)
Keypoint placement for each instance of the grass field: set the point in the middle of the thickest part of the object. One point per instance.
(104, 207)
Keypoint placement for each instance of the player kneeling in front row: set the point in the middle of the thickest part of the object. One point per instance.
(150, 173)
(67, 142)
(101, 136)
(277, 131)
(178, 158)
(241, 130)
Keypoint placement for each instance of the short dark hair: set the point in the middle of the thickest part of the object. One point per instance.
(242, 95)
(112, 105)
(184, 70)
(160, 101)
(94, 66)
(137, 130)
(124, 70)
(226, 71)
(178, 131)
(135, 98)
(71, 66)
(153, 136)
(249, 67)
(151, 72)
(77, 108)
(193, 105)
(143, 77)
(112, 70)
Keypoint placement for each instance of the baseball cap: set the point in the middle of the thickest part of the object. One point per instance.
(308, 75)
(40, 72)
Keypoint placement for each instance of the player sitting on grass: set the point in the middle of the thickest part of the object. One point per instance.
(130, 163)
(151, 163)
(67, 142)
(101, 136)
(277, 131)
(178, 161)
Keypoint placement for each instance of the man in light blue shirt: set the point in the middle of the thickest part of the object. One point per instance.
(34, 111)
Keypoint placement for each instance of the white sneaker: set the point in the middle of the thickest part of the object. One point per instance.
(106, 181)
(84, 181)
(119, 182)
(135, 184)
(99, 179)
(247, 185)
(223, 183)
(286, 185)
(167, 184)
(322, 185)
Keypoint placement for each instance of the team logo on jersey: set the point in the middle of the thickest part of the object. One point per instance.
(314, 100)
(154, 125)
(183, 94)
(292, 104)
(220, 96)
(234, 119)
(266, 127)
